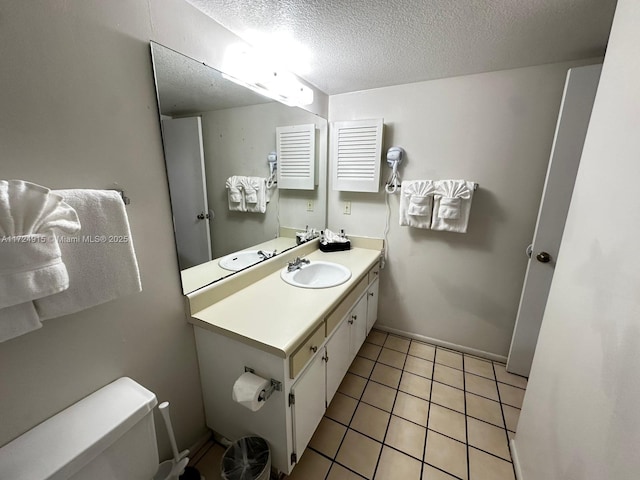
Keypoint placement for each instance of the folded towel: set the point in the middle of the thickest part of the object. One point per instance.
(18, 320)
(420, 205)
(31, 265)
(235, 194)
(255, 193)
(101, 263)
(416, 197)
(452, 205)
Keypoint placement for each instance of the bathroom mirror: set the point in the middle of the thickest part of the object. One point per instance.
(212, 129)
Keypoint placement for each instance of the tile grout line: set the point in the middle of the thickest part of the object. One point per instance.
(334, 459)
(426, 427)
(506, 431)
(395, 397)
(353, 414)
(466, 421)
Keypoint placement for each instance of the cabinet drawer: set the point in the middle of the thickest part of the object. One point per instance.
(333, 319)
(307, 350)
(374, 272)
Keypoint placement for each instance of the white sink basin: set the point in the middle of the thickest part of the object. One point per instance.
(239, 260)
(317, 274)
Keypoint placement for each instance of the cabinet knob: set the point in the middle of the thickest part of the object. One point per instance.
(350, 321)
(371, 294)
(326, 359)
(314, 349)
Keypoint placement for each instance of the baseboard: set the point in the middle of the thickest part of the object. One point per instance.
(516, 462)
(441, 343)
(197, 450)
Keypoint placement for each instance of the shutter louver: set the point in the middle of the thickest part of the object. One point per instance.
(296, 148)
(356, 151)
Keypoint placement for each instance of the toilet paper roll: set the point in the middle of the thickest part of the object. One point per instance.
(247, 389)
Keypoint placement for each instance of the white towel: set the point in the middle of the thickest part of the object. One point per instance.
(452, 205)
(31, 265)
(101, 262)
(235, 194)
(255, 193)
(416, 197)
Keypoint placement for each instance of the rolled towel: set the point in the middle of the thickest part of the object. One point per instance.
(235, 194)
(416, 197)
(102, 264)
(31, 265)
(255, 193)
(452, 205)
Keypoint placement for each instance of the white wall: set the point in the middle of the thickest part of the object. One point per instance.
(493, 128)
(580, 415)
(236, 142)
(79, 110)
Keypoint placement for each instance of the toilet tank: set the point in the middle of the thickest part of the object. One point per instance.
(109, 435)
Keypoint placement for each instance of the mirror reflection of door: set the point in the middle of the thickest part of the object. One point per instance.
(184, 156)
(571, 130)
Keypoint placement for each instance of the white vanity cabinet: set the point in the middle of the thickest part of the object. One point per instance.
(309, 376)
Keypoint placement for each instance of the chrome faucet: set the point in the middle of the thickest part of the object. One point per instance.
(297, 264)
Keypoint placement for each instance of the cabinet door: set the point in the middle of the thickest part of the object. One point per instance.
(372, 305)
(309, 403)
(338, 357)
(358, 331)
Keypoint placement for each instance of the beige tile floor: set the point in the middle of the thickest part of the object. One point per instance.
(408, 410)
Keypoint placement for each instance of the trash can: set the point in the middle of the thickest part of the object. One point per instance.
(247, 459)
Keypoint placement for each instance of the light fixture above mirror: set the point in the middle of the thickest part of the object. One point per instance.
(247, 67)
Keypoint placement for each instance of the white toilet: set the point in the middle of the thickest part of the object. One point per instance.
(108, 435)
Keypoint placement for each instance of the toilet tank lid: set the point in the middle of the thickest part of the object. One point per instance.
(63, 444)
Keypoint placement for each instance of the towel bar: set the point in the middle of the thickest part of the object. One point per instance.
(125, 199)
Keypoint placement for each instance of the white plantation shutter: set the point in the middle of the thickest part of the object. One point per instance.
(296, 148)
(356, 149)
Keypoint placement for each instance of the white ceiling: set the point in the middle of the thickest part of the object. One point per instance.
(355, 45)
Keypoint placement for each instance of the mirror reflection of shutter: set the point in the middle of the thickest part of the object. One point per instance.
(356, 150)
(296, 148)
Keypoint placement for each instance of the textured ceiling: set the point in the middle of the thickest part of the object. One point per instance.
(355, 45)
(186, 87)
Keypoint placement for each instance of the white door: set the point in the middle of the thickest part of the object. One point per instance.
(184, 156)
(571, 129)
(309, 403)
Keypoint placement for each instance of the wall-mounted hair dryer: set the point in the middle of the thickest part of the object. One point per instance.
(394, 159)
(272, 160)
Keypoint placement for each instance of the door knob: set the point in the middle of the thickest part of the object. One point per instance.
(543, 257)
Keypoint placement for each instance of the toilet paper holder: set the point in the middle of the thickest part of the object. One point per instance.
(275, 385)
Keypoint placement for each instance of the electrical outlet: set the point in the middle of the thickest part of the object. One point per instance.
(309, 205)
(347, 208)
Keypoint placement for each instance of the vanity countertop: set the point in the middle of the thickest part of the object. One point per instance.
(276, 317)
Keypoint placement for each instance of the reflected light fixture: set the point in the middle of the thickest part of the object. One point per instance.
(244, 66)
